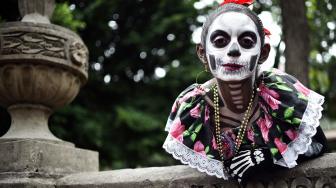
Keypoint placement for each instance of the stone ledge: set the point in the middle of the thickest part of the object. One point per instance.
(15, 182)
(319, 172)
(31, 158)
(331, 135)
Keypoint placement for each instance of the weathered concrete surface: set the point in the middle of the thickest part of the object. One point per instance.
(45, 159)
(319, 172)
(39, 12)
(331, 135)
(42, 68)
(15, 182)
(42, 64)
(172, 176)
(30, 122)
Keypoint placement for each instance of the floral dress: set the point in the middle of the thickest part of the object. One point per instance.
(286, 128)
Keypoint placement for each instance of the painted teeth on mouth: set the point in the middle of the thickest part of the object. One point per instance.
(220, 62)
(241, 63)
(242, 70)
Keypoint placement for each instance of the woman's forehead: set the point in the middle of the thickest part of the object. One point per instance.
(233, 21)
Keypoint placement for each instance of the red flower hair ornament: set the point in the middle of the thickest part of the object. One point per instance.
(267, 33)
(240, 2)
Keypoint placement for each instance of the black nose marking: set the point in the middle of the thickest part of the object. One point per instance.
(234, 50)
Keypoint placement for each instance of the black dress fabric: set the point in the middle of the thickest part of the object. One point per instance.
(286, 131)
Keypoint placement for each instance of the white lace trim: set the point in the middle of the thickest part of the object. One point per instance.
(168, 124)
(193, 159)
(307, 129)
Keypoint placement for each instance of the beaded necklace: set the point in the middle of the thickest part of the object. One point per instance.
(242, 127)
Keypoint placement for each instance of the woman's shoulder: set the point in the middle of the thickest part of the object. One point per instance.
(291, 115)
(195, 90)
(186, 101)
(281, 86)
(190, 137)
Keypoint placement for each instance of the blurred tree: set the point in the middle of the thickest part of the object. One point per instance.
(296, 36)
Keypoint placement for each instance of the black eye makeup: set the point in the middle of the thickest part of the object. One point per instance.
(220, 38)
(247, 40)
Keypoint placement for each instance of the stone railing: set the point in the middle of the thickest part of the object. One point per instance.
(317, 173)
(42, 67)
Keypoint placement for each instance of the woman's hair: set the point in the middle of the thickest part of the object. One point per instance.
(232, 8)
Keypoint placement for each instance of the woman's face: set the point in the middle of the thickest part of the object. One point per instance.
(233, 47)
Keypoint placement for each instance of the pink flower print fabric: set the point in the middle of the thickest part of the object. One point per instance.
(177, 129)
(270, 96)
(301, 88)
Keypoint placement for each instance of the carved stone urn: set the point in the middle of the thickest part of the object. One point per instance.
(42, 68)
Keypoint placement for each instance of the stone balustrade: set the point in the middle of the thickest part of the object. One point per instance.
(317, 173)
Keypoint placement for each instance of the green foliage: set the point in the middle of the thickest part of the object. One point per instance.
(63, 16)
(319, 79)
(321, 16)
(124, 117)
(136, 119)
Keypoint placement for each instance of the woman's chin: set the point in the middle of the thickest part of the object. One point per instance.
(233, 78)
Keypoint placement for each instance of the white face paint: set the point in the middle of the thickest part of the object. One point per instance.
(233, 47)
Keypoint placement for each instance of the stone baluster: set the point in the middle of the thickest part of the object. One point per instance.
(42, 68)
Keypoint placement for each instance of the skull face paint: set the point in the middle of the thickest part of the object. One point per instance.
(233, 47)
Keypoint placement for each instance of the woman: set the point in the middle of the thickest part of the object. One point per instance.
(243, 120)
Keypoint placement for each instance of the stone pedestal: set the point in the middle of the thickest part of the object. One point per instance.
(30, 122)
(47, 159)
(31, 163)
(37, 163)
(42, 68)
